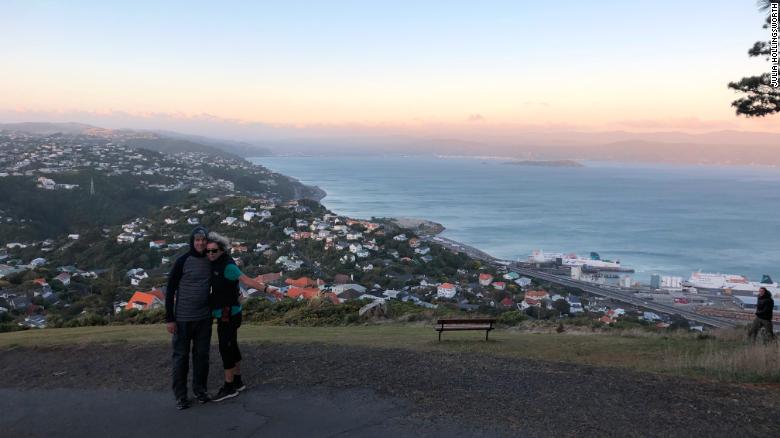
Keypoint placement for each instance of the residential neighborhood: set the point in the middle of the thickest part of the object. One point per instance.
(106, 273)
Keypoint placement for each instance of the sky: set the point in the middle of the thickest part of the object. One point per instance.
(374, 66)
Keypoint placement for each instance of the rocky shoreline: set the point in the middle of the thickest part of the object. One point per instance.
(419, 226)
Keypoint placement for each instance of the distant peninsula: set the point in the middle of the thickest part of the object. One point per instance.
(543, 163)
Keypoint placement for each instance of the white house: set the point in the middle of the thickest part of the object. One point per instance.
(63, 278)
(230, 220)
(446, 290)
(340, 288)
(575, 305)
(46, 183)
(391, 293)
(125, 238)
(37, 262)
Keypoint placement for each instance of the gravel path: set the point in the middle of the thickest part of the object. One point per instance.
(497, 396)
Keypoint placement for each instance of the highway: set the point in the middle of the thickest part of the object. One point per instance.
(623, 296)
(617, 294)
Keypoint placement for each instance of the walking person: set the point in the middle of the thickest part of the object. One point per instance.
(226, 308)
(188, 318)
(764, 308)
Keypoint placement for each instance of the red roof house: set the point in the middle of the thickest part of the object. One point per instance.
(301, 282)
(146, 300)
(485, 279)
(305, 292)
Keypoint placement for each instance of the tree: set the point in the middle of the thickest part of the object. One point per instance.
(562, 306)
(761, 98)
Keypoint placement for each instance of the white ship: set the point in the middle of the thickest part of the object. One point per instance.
(594, 263)
(539, 256)
(706, 280)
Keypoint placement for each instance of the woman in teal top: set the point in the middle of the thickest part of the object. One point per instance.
(226, 308)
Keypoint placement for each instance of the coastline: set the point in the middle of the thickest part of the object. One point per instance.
(508, 212)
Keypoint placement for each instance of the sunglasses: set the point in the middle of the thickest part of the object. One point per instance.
(212, 251)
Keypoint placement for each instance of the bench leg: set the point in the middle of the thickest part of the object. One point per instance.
(487, 332)
(439, 335)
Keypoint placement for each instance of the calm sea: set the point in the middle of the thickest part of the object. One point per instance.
(667, 219)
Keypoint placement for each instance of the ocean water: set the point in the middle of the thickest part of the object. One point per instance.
(671, 220)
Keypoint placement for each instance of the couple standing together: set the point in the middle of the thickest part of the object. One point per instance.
(204, 285)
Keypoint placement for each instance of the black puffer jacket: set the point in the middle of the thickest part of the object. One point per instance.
(765, 306)
(224, 292)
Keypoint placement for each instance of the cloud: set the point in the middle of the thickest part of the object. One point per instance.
(476, 118)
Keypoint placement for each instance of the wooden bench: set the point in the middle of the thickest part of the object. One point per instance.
(445, 325)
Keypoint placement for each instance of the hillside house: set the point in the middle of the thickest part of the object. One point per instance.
(485, 279)
(146, 300)
(305, 293)
(446, 290)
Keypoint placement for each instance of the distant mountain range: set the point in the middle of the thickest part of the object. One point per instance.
(725, 147)
(160, 141)
(714, 148)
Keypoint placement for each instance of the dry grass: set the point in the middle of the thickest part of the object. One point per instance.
(736, 334)
(741, 363)
(722, 355)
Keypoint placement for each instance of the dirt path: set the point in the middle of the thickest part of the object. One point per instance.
(492, 395)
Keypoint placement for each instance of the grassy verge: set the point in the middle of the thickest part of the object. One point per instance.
(724, 357)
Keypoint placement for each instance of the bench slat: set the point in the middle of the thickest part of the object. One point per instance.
(447, 329)
(465, 321)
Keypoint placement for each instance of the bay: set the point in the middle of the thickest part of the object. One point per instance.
(663, 219)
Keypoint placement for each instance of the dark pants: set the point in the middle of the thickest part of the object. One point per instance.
(228, 341)
(197, 334)
(756, 327)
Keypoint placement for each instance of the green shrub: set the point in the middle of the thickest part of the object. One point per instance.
(511, 318)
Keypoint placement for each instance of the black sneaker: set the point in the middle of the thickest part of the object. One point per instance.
(203, 397)
(183, 403)
(238, 383)
(227, 391)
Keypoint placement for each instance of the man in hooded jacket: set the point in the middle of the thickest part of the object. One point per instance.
(188, 316)
(764, 307)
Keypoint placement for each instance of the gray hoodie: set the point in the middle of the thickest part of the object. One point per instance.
(187, 294)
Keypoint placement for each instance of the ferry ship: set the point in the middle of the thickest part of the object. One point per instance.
(740, 283)
(594, 263)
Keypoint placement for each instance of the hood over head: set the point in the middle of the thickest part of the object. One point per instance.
(199, 230)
